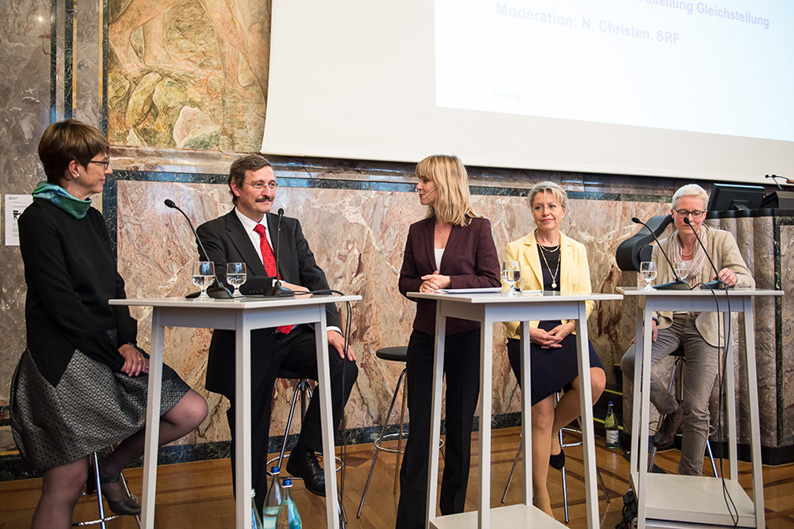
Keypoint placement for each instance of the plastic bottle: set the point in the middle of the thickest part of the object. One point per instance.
(288, 517)
(611, 426)
(273, 500)
(256, 521)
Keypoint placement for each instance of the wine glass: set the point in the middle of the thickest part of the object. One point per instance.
(681, 269)
(203, 276)
(648, 272)
(511, 274)
(235, 276)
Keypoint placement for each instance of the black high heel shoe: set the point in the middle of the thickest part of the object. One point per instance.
(129, 506)
(557, 461)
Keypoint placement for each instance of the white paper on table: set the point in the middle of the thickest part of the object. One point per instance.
(487, 290)
(14, 206)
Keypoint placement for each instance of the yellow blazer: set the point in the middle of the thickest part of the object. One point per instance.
(574, 270)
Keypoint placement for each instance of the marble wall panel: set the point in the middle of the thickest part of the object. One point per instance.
(786, 338)
(24, 106)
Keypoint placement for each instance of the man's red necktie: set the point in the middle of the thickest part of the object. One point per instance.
(269, 260)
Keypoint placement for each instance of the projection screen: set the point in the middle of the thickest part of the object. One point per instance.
(641, 87)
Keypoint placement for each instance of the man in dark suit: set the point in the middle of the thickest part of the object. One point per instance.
(248, 234)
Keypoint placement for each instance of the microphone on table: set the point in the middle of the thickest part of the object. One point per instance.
(278, 290)
(717, 283)
(218, 290)
(678, 284)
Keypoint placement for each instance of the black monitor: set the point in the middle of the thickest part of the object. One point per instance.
(729, 197)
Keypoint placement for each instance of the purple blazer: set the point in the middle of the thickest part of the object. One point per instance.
(470, 260)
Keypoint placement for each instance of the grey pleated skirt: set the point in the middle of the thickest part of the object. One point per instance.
(91, 408)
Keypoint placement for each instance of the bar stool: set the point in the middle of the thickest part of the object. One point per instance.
(393, 354)
(304, 390)
(679, 392)
(562, 470)
(96, 486)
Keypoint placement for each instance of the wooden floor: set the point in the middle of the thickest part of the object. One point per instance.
(199, 495)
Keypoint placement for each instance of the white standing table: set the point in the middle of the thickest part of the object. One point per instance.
(489, 309)
(665, 500)
(241, 315)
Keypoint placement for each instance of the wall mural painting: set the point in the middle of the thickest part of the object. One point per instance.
(188, 74)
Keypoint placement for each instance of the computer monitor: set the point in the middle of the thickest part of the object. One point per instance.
(729, 197)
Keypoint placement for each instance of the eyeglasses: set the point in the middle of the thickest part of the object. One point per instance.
(259, 186)
(104, 163)
(685, 213)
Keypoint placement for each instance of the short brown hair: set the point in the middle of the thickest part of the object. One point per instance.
(241, 166)
(64, 141)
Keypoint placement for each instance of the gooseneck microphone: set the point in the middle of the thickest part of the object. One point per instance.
(218, 290)
(277, 290)
(678, 284)
(717, 283)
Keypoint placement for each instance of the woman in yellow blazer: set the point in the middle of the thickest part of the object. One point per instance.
(553, 262)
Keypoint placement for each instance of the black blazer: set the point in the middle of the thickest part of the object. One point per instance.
(470, 260)
(226, 242)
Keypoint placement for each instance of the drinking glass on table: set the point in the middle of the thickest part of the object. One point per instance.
(511, 274)
(235, 276)
(681, 269)
(648, 273)
(203, 276)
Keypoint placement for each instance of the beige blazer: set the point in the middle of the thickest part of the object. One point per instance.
(725, 253)
(574, 270)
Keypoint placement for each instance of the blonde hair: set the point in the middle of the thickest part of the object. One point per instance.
(453, 201)
(549, 187)
(690, 190)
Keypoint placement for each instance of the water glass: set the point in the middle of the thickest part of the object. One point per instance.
(235, 276)
(648, 273)
(203, 276)
(511, 274)
(681, 269)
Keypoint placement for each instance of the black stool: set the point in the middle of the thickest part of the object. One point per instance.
(97, 487)
(562, 470)
(393, 354)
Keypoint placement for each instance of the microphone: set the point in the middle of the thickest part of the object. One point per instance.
(678, 284)
(218, 290)
(277, 290)
(717, 283)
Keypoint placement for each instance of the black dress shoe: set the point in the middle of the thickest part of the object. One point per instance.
(665, 435)
(127, 506)
(557, 461)
(303, 464)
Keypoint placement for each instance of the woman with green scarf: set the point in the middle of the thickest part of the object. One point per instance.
(81, 384)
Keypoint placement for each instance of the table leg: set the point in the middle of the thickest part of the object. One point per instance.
(755, 426)
(327, 419)
(586, 406)
(435, 419)
(243, 421)
(526, 412)
(644, 403)
(486, 392)
(151, 443)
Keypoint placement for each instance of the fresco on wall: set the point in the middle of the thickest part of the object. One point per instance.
(188, 74)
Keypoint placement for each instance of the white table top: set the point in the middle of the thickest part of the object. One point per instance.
(479, 299)
(638, 291)
(243, 303)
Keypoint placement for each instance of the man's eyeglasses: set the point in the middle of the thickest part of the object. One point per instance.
(259, 186)
(104, 163)
(685, 212)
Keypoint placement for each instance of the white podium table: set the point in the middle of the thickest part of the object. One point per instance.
(665, 500)
(241, 315)
(489, 309)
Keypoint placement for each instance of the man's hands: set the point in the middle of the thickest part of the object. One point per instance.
(337, 341)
